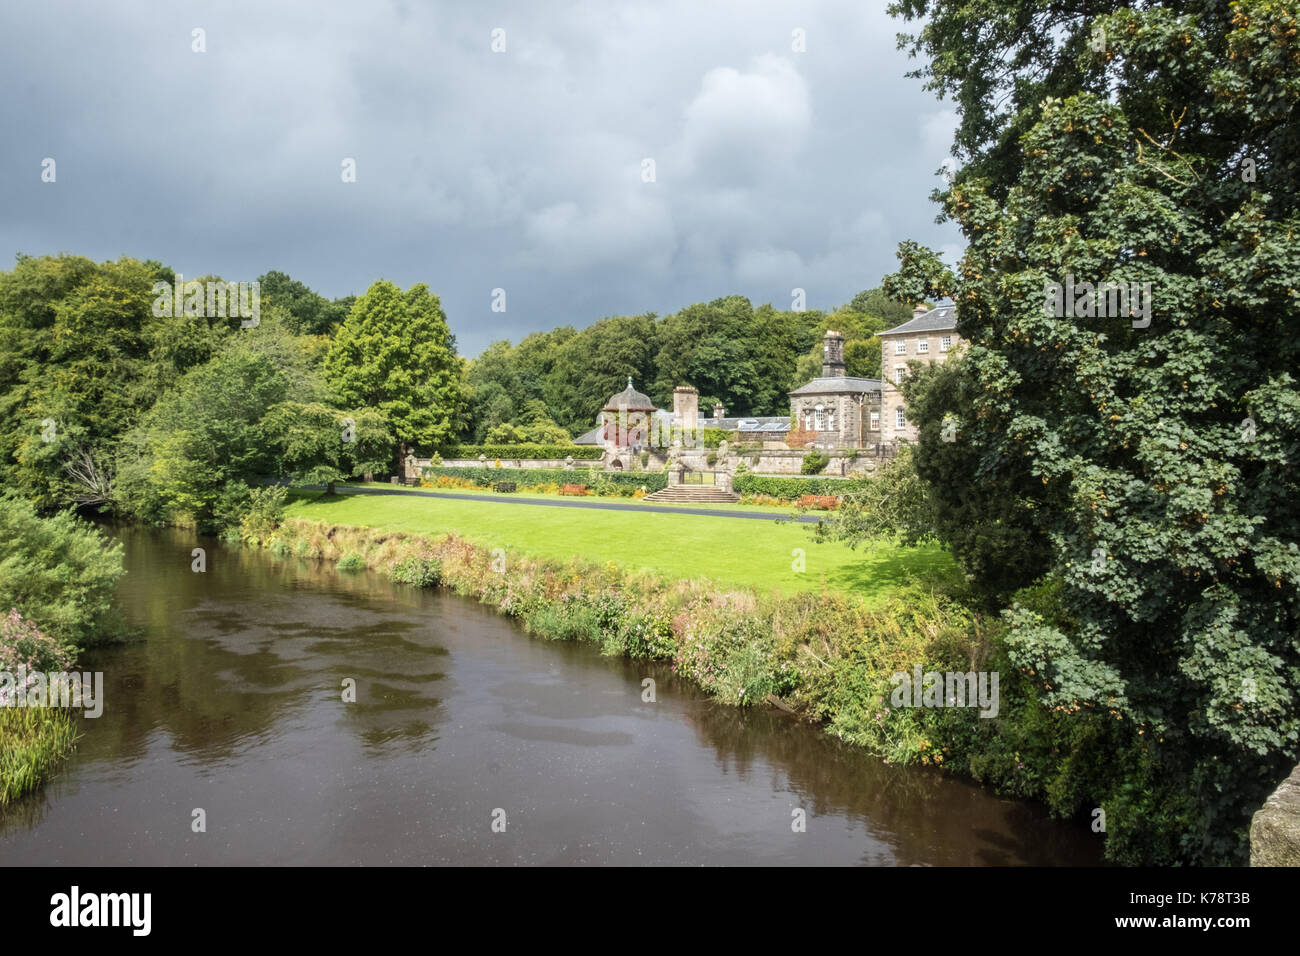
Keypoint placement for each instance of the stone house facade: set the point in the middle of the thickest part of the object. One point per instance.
(842, 411)
(929, 336)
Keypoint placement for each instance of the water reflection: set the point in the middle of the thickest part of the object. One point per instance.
(233, 701)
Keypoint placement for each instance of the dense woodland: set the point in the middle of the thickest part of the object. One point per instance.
(106, 403)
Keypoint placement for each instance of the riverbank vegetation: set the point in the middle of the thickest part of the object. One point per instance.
(57, 580)
(828, 657)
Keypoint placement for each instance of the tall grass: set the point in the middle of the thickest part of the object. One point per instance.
(33, 740)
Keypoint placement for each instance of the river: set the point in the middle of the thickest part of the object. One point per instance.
(232, 704)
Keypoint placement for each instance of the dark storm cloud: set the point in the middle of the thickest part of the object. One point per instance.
(476, 170)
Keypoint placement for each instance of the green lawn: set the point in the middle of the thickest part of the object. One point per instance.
(731, 551)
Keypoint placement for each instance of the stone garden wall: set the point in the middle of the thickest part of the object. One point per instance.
(769, 461)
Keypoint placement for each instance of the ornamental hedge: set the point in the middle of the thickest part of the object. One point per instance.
(577, 452)
(793, 488)
(601, 482)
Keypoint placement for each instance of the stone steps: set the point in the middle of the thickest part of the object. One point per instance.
(693, 493)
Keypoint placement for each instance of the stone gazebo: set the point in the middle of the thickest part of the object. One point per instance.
(626, 422)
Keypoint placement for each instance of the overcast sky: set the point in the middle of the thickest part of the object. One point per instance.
(476, 170)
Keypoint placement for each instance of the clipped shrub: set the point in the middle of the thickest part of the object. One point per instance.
(789, 489)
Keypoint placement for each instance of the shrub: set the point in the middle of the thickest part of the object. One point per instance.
(59, 572)
(264, 514)
(766, 500)
(814, 463)
(352, 561)
(702, 437)
(23, 644)
(789, 489)
(821, 502)
(419, 572)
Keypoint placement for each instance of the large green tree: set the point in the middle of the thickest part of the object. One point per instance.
(594, 364)
(315, 444)
(310, 313)
(1152, 464)
(395, 353)
(80, 347)
(205, 442)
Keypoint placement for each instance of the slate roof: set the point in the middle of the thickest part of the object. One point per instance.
(630, 399)
(939, 319)
(838, 385)
(593, 437)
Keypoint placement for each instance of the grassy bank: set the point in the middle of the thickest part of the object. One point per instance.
(757, 555)
(33, 740)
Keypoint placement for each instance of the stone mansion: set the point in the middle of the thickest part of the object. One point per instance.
(833, 411)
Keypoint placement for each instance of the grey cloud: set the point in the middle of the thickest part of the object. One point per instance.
(520, 170)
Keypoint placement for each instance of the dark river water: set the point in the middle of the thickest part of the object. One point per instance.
(233, 704)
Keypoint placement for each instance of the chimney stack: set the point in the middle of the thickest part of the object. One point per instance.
(719, 412)
(686, 407)
(833, 355)
(919, 311)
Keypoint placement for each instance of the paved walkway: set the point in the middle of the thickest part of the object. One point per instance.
(578, 503)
